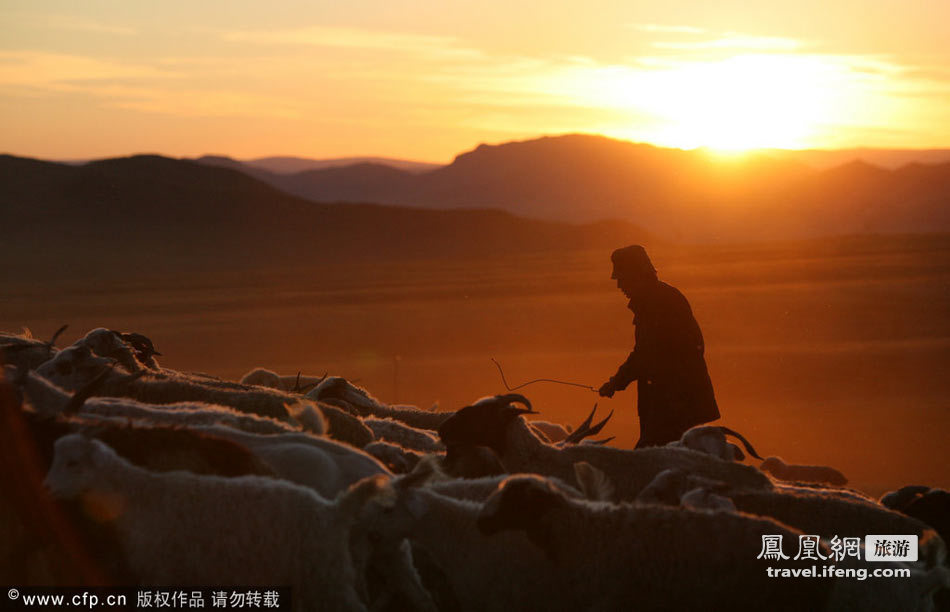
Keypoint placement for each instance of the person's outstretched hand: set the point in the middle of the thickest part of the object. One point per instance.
(607, 389)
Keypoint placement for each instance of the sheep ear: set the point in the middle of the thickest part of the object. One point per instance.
(376, 488)
(593, 483)
(308, 416)
(427, 469)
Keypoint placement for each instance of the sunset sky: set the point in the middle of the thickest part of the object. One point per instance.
(428, 79)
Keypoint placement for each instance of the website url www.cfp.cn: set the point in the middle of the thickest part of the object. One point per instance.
(127, 598)
(830, 571)
(84, 600)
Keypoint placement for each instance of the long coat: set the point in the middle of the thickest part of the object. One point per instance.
(674, 391)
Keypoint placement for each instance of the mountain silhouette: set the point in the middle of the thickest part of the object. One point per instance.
(686, 195)
(822, 159)
(290, 165)
(147, 212)
(281, 165)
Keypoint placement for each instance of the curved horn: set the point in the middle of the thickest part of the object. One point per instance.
(596, 428)
(742, 439)
(582, 431)
(585, 429)
(517, 398)
(310, 386)
(56, 335)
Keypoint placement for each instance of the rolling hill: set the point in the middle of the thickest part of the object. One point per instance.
(686, 195)
(147, 212)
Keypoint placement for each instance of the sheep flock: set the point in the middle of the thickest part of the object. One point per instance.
(117, 471)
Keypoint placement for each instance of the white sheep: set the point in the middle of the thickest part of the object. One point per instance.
(917, 592)
(339, 391)
(158, 448)
(26, 352)
(825, 515)
(844, 493)
(899, 499)
(813, 510)
(337, 387)
(343, 426)
(502, 573)
(112, 345)
(670, 487)
(48, 399)
(263, 377)
(932, 506)
(702, 498)
(472, 461)
(326, 466)
(398, 459)
(608, 556)
(480, 489)
(552, 432)
(711, 439)
(820, 474)
(391, 430)
(76, 368)
(178, 528)
(494, 422)
(475, 573)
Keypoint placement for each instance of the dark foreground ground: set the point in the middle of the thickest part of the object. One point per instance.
(830, 353)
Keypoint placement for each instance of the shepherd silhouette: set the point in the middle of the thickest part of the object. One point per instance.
(674, 391)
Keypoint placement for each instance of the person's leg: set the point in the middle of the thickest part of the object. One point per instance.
(660, 429)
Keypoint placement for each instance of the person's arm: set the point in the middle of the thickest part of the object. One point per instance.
(628, 372)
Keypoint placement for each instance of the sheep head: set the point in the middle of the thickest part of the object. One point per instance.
(141, 345)
(73, 366)
(338, 388)
(900, 499)
(76, 459)
(26, 352)
(520, 503)
(111, 344)
(469, 461)
(671, 485)
(484, 422)
(390, 507)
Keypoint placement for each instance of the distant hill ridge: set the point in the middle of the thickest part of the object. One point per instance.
(687, 195)
(676, 194)
(149, 211)
(293, 165)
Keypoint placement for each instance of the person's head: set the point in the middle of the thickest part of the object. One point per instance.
(633, 270)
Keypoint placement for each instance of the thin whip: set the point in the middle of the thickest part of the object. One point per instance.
(531, 382)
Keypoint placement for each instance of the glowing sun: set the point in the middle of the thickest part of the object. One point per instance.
(748, 102)
(733, 104)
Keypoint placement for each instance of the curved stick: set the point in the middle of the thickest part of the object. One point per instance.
(551, 380)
